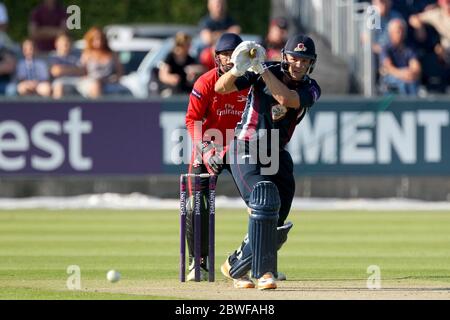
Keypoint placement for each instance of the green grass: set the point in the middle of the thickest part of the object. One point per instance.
(37, 246)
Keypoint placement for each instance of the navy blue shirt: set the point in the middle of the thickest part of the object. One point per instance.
(400, 57)
(179, 69)
(69, 60)
(262, 111)
(216, 25)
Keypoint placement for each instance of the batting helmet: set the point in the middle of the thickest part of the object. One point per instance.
(227, 42)
(299, 46)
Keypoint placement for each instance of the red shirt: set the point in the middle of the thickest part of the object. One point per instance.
(214, 110)
(207, 58)
(43, 16)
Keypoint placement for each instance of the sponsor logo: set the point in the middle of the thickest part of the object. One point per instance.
(196, 94)
(301, 47)
(278, 112)
(229, 110)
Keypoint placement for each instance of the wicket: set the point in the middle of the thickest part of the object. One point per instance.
(197, 224)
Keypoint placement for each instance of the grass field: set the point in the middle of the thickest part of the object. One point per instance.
(326, 256)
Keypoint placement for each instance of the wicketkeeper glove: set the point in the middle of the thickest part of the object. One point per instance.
(214, 164)
(211, 156)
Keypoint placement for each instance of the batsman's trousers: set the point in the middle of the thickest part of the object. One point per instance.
(247, 173)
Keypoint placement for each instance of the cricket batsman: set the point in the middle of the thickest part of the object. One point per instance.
(279, 97)
(208, 117)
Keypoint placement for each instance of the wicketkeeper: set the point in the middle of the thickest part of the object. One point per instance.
(279, 97)
(208, 117)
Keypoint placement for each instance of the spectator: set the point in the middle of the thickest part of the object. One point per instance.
(276, 38)
(5, 41)
(400, 68)
(64, 67)
(102, 66)
(179, 70)
(439, 19)
(47, 21)
(410, 7)
(7, 68)
(216, 22)
(381, 36)
(207, 57)
(3, 17)
(32, 74)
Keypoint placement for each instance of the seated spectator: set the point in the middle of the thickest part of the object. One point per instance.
(208, 55)
(47, 21)
(179, 70)
(206, 58)
(65, 68)
(7, 43)
(276, 38)
(400, 68)
(439, 19)
(102, 67)
(3, 17)
(7, 68)
(216, 22)
(32, 74)
(381, 36)
(5, 40)
(410, 7)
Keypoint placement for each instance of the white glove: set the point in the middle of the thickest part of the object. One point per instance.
(257, 67)
(241, 58)
(260, 52)
(243, 49)
(260, 56)
(240, 64)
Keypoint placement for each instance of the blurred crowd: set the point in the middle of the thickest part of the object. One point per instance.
(411, 49)
(46, 63)
(412, 46)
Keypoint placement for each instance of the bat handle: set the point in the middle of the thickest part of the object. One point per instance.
(252, 53)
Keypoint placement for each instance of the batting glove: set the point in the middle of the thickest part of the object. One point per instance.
(257, 62)
(260, 52)
(257, 68)
(241, 58)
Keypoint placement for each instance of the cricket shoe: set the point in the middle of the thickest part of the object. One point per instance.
(243, 282)
(203, 273)
(267, 281)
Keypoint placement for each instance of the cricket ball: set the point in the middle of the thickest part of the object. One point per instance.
(113, 276)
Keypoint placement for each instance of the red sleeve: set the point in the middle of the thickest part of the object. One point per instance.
(199, 100)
